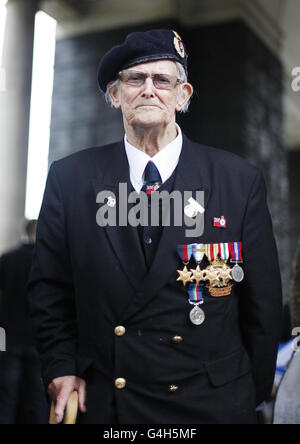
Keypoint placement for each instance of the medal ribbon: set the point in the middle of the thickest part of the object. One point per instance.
(216, 250)
(209, 251)
(198, 252)
(185, 252)
(212, 251)
(224, 251)
(235, 249)
(196, 292)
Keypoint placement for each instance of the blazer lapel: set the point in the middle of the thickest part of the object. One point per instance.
(124, 240)
(192, 174)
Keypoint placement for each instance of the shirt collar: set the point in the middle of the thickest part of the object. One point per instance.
(165, 160)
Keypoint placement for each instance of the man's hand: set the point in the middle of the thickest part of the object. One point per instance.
(60, 390)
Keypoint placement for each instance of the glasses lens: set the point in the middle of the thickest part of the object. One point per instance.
(134, 78)
(164, 81)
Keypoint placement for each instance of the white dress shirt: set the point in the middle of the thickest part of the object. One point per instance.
(165, 160)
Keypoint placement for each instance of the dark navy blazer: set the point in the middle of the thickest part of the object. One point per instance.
(87, 279)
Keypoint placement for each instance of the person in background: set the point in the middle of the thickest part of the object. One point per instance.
(295, 291)
(22, 396)
(287, 402)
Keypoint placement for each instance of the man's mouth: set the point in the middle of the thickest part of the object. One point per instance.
(147, 106)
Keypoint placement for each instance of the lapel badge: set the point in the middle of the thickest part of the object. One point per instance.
(193, 208)
(220, 222)
(111, 201)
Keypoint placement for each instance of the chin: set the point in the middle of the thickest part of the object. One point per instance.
(148, 119)
(147, 123)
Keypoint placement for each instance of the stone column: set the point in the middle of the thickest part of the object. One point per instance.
(14, 116)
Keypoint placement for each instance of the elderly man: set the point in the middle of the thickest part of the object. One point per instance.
(150, 322)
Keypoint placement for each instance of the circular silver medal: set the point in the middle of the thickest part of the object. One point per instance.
(197, 316)
(237, 273)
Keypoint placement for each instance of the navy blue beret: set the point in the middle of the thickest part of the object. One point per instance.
(141, 47)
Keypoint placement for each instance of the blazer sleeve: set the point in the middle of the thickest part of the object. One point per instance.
(51, 292)
(261, 291)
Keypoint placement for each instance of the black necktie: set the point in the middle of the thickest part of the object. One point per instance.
(152, 179)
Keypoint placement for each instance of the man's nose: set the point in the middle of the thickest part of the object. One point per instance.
(148, 87)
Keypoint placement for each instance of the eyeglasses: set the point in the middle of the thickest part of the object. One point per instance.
(160, 81)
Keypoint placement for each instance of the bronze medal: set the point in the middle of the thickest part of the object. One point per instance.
(184, 276)
(197, 275)
(218, 273)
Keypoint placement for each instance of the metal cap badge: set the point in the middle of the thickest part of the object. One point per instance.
(179, 44)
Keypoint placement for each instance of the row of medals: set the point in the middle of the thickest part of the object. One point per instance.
(219, 278)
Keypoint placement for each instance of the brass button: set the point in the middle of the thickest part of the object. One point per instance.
(120, 383)
(120, 330)
(173, 388)
(177, 339)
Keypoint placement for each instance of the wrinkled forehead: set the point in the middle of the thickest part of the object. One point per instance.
(159, 66)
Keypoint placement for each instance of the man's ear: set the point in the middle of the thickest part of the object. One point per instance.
(184, 96)
(114, 94)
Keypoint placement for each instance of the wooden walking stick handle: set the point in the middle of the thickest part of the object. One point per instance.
(70, 412)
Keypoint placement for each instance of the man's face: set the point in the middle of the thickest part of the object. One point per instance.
(146, 106)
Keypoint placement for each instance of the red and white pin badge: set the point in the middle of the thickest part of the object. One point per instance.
(220, 222)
